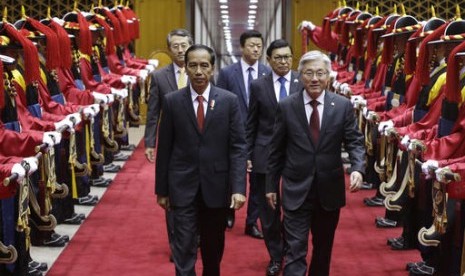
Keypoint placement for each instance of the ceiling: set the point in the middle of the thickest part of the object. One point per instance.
(238, 12)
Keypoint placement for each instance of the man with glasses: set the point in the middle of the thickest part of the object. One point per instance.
(237, 78)
(305, 154)
(168, 79)
(265, 93)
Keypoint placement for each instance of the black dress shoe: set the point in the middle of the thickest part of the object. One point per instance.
(129, 147)
(54, 242)
(252, 230)
(65, 238)
(392, 240)
(411, 265)
(73, 220)
(111, 168)
(374, 201)
(33, 272)
(120, 157)
(230, 218)
(38, 266)
(386, 223)
(87, 200)
(367, 186)
(398, 245)
(273, 269)
(422, 270)
(101, 182)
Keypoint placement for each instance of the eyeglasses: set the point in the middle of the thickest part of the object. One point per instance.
(282, 58)
(182, 45)
(318, 74)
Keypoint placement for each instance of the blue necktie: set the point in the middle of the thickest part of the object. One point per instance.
(249, 81)
(282, 89)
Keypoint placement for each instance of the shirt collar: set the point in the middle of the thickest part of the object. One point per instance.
(176, 68)
(205, 94)
(276, 77)
(320, 99)
(245, 66)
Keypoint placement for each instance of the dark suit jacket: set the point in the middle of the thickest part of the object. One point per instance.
(303, 164)
(162, 81)
(212, 162)
(232, 79)
(261, 117)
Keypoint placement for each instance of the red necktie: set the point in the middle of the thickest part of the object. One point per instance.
(200, 116)
(315, 121)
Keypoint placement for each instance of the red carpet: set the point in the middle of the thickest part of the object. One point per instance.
(126, 235)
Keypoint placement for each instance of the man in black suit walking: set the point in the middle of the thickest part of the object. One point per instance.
(201, 163)
(265, 93)
(237, 78)
(168, 79)
(305, 152)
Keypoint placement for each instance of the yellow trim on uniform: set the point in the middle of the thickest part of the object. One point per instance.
(434, 92)
(19, 79)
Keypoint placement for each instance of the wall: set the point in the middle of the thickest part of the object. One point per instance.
(158, 18)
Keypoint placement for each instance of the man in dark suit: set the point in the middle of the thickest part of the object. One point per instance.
(308, 159)
(265, 93)
(237, 78)
(168, 79)
(201, 164)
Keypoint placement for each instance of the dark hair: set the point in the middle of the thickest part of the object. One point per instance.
(248, 34)
(278, 43)
(201, 47)
(179, 32)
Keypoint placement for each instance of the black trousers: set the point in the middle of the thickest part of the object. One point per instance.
(271, 221)
(297, 224)
(210, 224)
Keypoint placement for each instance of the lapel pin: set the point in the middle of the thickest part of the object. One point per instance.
(212, 104)
(296, 80)
(332, 103)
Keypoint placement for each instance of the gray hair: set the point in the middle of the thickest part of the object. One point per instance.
(315, 55)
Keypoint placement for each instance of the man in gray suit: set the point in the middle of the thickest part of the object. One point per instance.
(201, 164)
(305, 152)
(237, 78)
(168, 79)
(265, 93)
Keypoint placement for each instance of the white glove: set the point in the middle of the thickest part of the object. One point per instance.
(356, 98)
(122, 93)
(153, 62)
(405, 141)
(149, 67)
(33, 164)
(110, 98)
(100, 97)
(91, 110)
(427, 166)
(365, 112)
(336, 85)
(51, 138)
(385, 124)
(143, 74)
(19, 170)
(359, 76)
(128, 79)
(345, 89)
(441, 174)
(75, 118)
(65, 122)
(306, 25)
(372, 115)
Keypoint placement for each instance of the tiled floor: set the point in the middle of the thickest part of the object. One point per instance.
(50, 254)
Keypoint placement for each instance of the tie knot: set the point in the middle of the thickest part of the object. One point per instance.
(314, 103)
(181, 70)
(200, 98)
(250, 69)
(282, 80)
